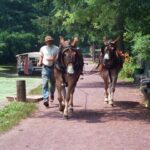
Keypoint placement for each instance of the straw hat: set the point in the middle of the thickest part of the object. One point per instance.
(48, 38)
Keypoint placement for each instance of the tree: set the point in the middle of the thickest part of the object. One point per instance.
(17, 33)
(141, 47)
(89, 19)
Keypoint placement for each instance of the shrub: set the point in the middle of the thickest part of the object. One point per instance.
(141, 47)
(128, 69)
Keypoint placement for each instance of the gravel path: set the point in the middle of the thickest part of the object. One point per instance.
(93, 126)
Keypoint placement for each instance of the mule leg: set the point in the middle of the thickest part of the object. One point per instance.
(106, 83)
(106, 93)
(110, 102)
(63, 92)
(110, 95)
(71, 100)
(112, 87)
(67, 102)
(60, 99)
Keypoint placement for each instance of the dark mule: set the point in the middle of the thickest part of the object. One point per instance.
(67, 72)
(111, 62)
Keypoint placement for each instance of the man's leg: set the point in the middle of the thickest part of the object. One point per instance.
(52, 86)
(45, 89)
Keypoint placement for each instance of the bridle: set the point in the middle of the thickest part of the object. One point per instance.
(73, 55)
(109, 56)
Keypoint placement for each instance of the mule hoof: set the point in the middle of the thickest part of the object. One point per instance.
(71, 110)
(66, 117)
(106, 102)
(110, 103)
(106, 99)
(61, 108)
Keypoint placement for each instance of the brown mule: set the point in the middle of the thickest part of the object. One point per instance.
(111, 62)
(67, 72)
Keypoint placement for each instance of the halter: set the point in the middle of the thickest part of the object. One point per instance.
(77, 63)
(106, 57)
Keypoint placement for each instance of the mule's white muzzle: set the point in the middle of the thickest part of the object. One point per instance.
(70, 69)
(106, 56)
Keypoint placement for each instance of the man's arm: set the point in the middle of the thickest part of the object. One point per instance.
(55, 56)
(51, 58)
(40, 61)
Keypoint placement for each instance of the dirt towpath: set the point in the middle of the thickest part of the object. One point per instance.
(93, 126)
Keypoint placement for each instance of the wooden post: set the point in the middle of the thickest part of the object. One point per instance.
(21, 90)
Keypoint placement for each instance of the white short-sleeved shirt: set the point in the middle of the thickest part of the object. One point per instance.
(47, 51)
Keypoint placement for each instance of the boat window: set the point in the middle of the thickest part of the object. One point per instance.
(34, 61)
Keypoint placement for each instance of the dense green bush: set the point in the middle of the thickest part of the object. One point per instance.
(141, 47)
(128, 69)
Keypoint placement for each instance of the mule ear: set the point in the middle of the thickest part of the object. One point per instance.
(62, 41)
(105, 40)
(75, 40)
(116, 40)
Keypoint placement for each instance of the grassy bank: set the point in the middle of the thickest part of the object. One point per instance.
(36, 91)
(8, 78)
(8, 85)
(13, 113)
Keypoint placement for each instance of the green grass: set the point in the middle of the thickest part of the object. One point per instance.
(8, 82)
(36, 91)
(11, 114)
(8, 85)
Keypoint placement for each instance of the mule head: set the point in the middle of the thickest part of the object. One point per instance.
(69, 55)
(69, 59)
(109, 54)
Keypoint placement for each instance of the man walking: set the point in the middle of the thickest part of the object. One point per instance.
(48, 55)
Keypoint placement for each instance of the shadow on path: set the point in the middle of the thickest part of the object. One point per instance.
(122, 111)
(100, 84)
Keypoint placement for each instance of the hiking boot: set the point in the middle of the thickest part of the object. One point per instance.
(52, 97)
(46, 104)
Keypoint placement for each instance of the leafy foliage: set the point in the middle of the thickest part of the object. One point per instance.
(24, 23)
(17, 33)
(141, 47)
(128, 69)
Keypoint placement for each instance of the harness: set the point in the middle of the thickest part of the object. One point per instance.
(60, 65)
(117, 60)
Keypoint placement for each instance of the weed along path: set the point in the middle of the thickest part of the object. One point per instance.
(93, 126)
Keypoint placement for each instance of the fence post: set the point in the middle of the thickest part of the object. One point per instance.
(21, 90)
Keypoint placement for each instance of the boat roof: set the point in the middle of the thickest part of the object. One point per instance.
(30, 54)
